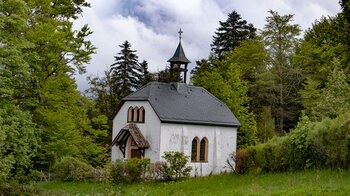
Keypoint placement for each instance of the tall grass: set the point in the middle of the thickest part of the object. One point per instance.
(309, 182)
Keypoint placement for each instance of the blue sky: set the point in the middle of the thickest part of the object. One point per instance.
(151, 26)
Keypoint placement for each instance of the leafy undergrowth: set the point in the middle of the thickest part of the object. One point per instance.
(311, 182)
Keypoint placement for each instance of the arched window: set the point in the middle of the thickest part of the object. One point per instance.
(130, 114)
(195, 150)
(204, 150)
(141, 115)
(136, 114)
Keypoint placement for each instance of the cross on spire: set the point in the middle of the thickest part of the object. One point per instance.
(180, 32)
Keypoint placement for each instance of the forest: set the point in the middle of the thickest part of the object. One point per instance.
(290, 90)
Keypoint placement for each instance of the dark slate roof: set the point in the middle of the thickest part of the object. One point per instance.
(189, 104)
(179, 56)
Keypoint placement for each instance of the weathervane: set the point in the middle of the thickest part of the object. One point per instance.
(180, 32)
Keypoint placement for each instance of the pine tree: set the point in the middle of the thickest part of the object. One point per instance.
(230, 34)
(125, 70)
(146, 76)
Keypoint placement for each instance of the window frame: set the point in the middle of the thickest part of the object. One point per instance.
(197, 149)
(136, 114)
(130, 114)
(206, 143)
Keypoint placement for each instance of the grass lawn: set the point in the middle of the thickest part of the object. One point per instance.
(311, 182)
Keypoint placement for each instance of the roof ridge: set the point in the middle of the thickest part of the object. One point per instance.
(144, 86)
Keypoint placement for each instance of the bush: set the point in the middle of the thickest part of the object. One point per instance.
(309, 145)
(136, 169)
(239, 161)
(157, 170)
(72, 169)
(177, 166)
(129, 170)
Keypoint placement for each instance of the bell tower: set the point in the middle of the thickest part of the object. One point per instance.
(177, 61)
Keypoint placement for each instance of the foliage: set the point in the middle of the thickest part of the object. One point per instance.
(18, 144)
(281, 38)
(125, 71)
(238, 161)
(129, 170)
(14, 49)
(310, 144)
(232, 91)
(334, 98)
(146, 76)
(177, 165)
(103, 93)
(136, 168)
(265, 125)
(66, 129)
(72, 169)
(230, 34)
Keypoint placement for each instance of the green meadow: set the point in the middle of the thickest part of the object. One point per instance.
(309, 182)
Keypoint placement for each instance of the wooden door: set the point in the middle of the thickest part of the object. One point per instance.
(136, 153)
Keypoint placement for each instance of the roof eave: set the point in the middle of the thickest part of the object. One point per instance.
(222, 124)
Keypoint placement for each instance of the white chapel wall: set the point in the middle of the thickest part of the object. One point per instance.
(150, 129)
(221, 142)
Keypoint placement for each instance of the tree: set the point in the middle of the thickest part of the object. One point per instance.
(345, 5)
(146, 76)
(103, 93)
(18, 144)
(125, 70)
(281, 38)
(65, 127)
(231, 90)
(326, 41)
(265, 125)
(15, 49)
(18, 134)
(164, 75)
(230, 34)
(334, 98)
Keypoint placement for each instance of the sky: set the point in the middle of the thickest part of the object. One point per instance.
(151, 26)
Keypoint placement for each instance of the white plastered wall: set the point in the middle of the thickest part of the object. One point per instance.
(221, 143)
(150, 129)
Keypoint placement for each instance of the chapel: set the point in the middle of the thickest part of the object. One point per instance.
(162, 117)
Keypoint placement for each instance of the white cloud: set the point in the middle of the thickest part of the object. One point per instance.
(151, 26)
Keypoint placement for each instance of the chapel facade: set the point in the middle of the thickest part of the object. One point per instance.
(163, 117)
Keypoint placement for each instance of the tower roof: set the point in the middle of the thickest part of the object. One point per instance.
(179, 56)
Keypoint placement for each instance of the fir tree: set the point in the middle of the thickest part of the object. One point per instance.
(125, 70)
(230, 34)
(146, 76)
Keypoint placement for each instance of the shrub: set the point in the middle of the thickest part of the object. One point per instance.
(136, 169)
(240, 161)
(72, 169)
(309, 145)
(129, 170)
(118, 171)
(177, 165)
(157, 170)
